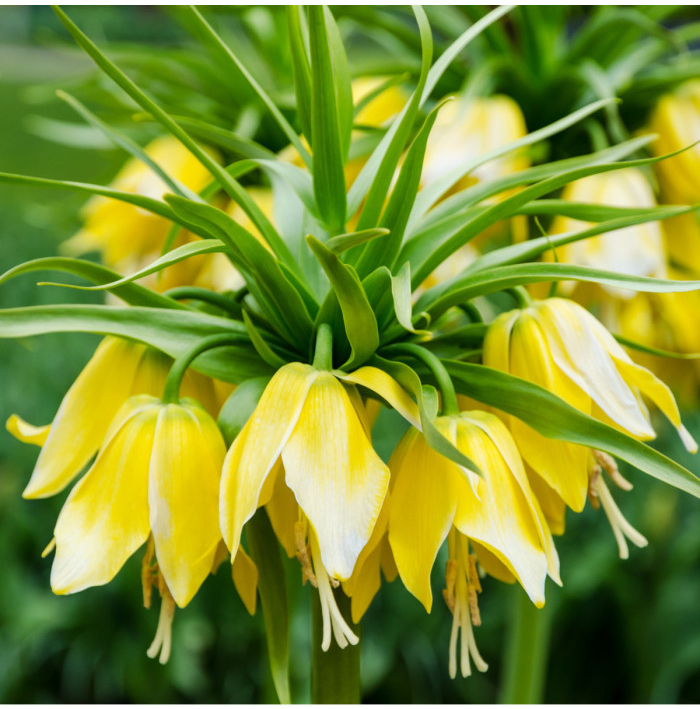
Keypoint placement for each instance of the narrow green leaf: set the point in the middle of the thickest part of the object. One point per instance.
(379, 189)
(554, 418)
(343, 84)
(529, 250)
(343, 242)
(196, 248)
(261, 347)
(497, 279)
(398, 210)
(360, 322)
(229, 184)
(328, 172)
(221, 49)
(430, 194)
(265, 552)
(126, 143)
(173, 331)
(436, 254)
(258, 263)
(300, 67)
(427, 399)
(655, 350)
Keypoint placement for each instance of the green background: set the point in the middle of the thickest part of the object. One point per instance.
(620, 631)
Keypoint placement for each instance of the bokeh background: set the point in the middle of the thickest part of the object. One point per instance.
(620, 631)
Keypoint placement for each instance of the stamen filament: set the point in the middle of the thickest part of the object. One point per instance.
(164, 633)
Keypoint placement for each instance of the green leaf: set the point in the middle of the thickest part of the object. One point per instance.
(328, 172)
(359, 318)
(655, 350)
(497, 279)
(398, 210)
(434, 255)
(223, 51)
(129, 293)
(529, 250)
(343, 242)
(195, 248)
(342, 79)
(428, 404)
(288, 309)
(403, 301)
(126, 143)
(300, 66)
(233, 189)
(155, 206)
(265, 552)
(554, 418)
(173, 331)
(430, 194)
(379, 188)
(261, 347)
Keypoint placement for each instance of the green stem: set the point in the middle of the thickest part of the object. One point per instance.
(335, 674)
(527, 652)
(437, 368)
(171, 392)
(205, 296)
(323, 356)
(521, 296)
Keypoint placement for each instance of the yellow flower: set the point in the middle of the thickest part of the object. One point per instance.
(560, 346)
(313, 422)
(129, 237)
(676, 119)
(636, 250)
(118, 369)
(497, 514)
(157, 474)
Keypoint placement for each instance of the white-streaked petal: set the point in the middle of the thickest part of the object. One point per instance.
(337, 477)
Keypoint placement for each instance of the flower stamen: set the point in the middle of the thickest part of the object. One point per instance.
(333, 621)
(162, 642)
(303, 554)
(621, 528)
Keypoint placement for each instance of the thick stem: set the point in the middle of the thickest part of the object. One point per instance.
(335, 673)
(527, 651)
(323, 356)
(171, 392)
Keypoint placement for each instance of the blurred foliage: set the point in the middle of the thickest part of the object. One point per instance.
(621, 631)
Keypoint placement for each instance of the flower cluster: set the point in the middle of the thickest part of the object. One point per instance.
(371, 272)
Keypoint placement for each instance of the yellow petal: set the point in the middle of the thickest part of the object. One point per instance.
(388, 388)
(562, 465)
(502, 518)
(84, 416)
(245, 579)
(27, 433)
(497, 341)
(423, 504)
(553, 507)
(183, 495)
(258, 446)
(337, 477)
(491, 564)
(105, 518)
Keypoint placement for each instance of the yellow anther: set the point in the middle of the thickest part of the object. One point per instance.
(609, 465)
(303, 554)
(451, 569)
(149, 572)
(474, 579)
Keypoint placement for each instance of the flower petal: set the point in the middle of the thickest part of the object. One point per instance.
(564, 466)
(105, 518)
(27, 433)
(388, 388)
(337, 477)
(183, 496)
(245, 579)
(84, 416)
(423, 505)
(502, 520)
(258, 446)
(283, 511)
